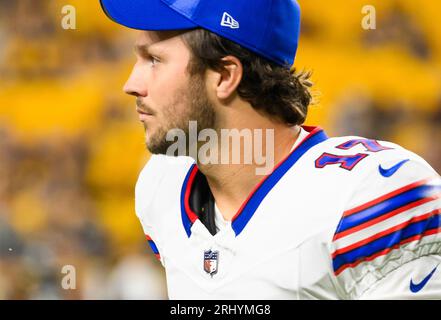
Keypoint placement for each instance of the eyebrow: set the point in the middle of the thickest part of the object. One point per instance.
(141, 48)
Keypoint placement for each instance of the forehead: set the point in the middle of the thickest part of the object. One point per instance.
(158, 39)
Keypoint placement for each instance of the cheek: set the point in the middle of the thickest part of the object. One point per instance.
(174, 96)
(177, 104)
(162, 85)
(169, 92)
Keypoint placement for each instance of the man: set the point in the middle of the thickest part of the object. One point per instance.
(335, 218)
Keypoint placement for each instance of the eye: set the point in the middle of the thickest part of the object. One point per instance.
(153, 60)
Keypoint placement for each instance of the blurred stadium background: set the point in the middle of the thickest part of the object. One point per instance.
(71, 145)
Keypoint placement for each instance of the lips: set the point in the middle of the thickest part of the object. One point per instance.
(143, 112)
(144, 115)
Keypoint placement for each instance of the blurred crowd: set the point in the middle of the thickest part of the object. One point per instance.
(70, 153)
(71, 146)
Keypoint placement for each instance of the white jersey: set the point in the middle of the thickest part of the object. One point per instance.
(339, 218)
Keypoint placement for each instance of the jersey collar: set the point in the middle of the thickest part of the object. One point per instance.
(316, 135)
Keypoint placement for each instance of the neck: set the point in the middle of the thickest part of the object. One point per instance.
(231, 184)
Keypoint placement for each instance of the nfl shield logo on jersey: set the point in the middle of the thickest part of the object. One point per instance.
(211, 259)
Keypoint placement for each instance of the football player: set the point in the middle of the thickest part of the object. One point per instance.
(335, 218)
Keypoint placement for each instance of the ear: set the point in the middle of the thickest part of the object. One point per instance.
(229, 78)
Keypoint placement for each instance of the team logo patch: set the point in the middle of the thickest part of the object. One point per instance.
(211, 259)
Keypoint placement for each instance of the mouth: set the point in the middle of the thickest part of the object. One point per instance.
(143, 115)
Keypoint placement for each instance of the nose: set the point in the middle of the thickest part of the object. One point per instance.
(136, 84)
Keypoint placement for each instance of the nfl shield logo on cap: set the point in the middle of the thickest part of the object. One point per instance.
(211, 259)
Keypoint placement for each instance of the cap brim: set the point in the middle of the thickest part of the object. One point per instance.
(145, 15)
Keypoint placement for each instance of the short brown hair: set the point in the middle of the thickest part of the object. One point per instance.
(277, 90)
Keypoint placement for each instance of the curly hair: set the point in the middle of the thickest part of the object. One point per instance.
(276, 90)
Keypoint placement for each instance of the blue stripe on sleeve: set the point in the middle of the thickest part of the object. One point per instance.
(388, 241)
(388, 205)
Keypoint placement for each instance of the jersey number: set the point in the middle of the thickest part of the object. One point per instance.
(348, 162)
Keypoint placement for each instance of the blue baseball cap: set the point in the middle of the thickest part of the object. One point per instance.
(269, 28)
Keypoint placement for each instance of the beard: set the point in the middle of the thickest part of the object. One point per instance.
(198, 108)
